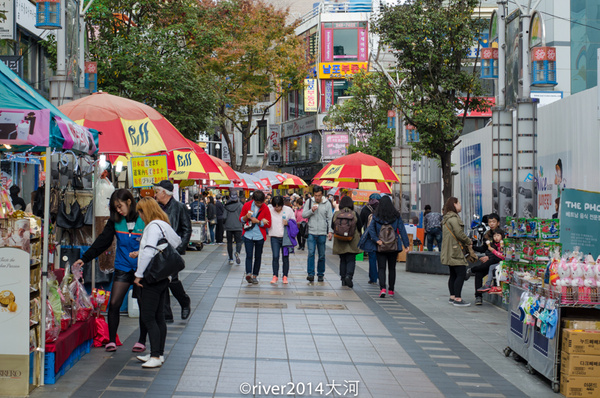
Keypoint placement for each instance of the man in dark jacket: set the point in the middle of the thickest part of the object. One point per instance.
(179, 218)
(233, 227)
(366, 211)
(220, 219)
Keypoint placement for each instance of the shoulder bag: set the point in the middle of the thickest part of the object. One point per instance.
(72, 220)
(165, 262)
(468, 252)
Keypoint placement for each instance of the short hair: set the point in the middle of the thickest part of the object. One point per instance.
(317, 188)
(196, 196)
(449, 205)
(498, 231)
(494, 216)
(277, 201)
(347, 202)
(14, 190)
(427, 207)
(299, 202)
(258, 196)
(149, 210)
(166, 191)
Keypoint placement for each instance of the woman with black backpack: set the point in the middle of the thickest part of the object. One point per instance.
(388, 234)
(346, 233)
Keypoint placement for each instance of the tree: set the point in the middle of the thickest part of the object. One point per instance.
(148, 51)
(260, 58)
(364, 116)
(430, 39)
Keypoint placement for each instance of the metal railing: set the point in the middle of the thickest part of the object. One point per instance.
(326, 7)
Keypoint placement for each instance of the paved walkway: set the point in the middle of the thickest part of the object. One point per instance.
(311, 339)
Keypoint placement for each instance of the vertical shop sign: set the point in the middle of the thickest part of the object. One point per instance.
(14, 312)
(274, 145)
(225, 154)
(470, 182)
(580, 221)
(362, 45)
(327, 43)
(328, 94)
(310, 95)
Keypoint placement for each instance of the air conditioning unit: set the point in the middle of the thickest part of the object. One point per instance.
(341, 100)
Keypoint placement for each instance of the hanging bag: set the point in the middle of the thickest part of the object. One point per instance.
(468, 252)
(165, 262)
(71, 220)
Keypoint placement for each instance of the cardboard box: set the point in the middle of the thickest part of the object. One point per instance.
(576, 387)
(577, 341)
(580, 365)
(581, 323)
(402, 255)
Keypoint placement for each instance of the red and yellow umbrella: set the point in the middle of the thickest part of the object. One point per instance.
(226, 170)
(358, 167)
(127, 126)
(194, 165)
(381, 187)
(291, 182)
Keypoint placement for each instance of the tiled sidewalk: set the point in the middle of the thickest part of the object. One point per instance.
(244, 340)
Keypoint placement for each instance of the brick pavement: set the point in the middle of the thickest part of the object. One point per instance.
(311, 336)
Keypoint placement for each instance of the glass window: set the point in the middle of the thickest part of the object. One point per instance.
(300, 95)
(302, 149)
(262, 138)
(345, 44)
(340, 89)
(292, 105)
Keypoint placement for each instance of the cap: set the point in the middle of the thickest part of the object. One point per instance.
(165, 184)
(234, 196)
(375, 196)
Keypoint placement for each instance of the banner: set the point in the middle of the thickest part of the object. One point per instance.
(335, 146)
(148, 170)
(310, 95)
(340, 70)
(25, 127)
(580, 221)
(225, 154)
(274, 145)
(76, 137)
(471, 182)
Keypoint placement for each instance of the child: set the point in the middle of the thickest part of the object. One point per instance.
(496, 249)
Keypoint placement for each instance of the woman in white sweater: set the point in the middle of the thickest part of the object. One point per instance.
(153, 295)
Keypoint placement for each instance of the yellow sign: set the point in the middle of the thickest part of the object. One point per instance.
(202, 144)
(340, 70)
(142, 136)
(148, 170)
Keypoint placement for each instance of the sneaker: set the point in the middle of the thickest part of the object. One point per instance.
(254, 280)
(382, 294)
(285, 281)
(249, 278)
(461, 303)
(478, 300)
(230, 261)
(146, 358)
(451, 301)
(391, 293)
(484, 288)
(310, 278)
(237, 258)
(321, 279)
(495, 290)
(274, 280)
(152, 363)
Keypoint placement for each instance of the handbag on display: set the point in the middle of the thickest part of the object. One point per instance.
(88, 218)
(68, 255)
(72, 220)
(165, 262)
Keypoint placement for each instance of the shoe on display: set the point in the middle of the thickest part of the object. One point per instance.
(152, 363)
(478, 300)
(382, 294)
(461, 303)
(274, 280)
(285, 281)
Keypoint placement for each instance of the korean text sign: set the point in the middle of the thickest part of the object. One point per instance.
(148, 170)
(580, 221)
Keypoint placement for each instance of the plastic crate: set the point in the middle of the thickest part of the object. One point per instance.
(49, 376)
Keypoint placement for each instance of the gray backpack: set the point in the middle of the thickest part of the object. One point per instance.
(389, 238)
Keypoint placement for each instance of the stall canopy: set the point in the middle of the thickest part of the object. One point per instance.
(29, 120)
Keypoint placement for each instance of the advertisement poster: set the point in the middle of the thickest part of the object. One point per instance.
(148, 170)
(553, 176)
(335, 145)
(7, 26)
(24, 127)
(76, 137)
(470, 182)
(14, 319)
(580, 221)
(225, 154)
(274, 144)
(310, 95)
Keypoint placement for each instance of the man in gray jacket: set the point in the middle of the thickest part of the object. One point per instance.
(319, 212)
(233, 227)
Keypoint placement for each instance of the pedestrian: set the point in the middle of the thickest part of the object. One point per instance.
(256, 218)
(179, 218)
(368, 246)
(153, 295)
(220, 220)
(211, 217)
(319, 212)
(233, 227)
(388, 233)
(432, 223)
(452, 254)
(126, 226)
(280, 216)
(17, 202)
(346, 246)
(302, 224)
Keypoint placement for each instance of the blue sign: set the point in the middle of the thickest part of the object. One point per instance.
(580, 221)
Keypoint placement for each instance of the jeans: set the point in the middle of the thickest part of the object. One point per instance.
(211, 228)
(152, 314)
(347, 265)
(317, 241)
(250, 246)
(434, 233)
(277, 248)
(480, 271)
(373, 274)
(387, 260)
(457, 279)
(237, 235)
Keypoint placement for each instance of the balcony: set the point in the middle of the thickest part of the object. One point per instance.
(330, 7)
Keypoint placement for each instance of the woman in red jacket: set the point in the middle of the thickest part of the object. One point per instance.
(256, 218)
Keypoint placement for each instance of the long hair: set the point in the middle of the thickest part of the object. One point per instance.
(150, 210)
(386, 211)
(449, 205)
(346, 201)
(122, 195)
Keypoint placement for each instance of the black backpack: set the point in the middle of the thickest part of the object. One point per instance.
(344, 226)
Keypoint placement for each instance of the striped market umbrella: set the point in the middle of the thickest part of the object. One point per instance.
(358, 167)
(246, 182)
(226, 170)
(270, 178)
(381, 187)
(291, 182)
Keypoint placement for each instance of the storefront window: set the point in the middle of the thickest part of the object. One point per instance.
(340, 89)
(302, 149)
(345, 44)
(292, 105)
(28, 50)
(344, 41)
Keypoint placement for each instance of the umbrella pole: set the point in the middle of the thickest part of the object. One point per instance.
(95, 199)
(46, 229)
